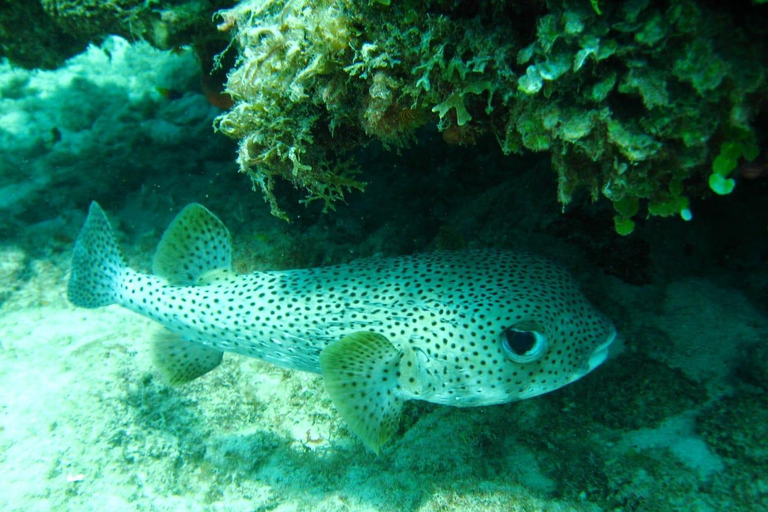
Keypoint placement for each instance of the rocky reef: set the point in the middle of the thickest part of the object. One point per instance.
(44, 33)
(644, 103)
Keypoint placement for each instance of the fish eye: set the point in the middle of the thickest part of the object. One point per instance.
(523, 346)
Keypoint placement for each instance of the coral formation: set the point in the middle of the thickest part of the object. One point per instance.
(634, 100)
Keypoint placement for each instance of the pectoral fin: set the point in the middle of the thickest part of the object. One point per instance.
(181, 361)
(361, 375)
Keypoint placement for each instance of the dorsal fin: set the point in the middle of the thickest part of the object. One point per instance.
(196, 242)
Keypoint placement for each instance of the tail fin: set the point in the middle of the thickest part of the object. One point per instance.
(96, 263)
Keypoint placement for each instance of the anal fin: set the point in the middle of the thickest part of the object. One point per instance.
(361, 375)
(181, 361)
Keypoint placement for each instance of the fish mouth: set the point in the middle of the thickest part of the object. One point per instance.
(601, 352)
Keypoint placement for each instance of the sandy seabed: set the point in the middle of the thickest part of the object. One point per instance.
(88, 425)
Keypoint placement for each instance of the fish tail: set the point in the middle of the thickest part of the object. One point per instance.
(97, 265)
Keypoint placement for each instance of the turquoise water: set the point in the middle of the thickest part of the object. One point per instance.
(674, 420)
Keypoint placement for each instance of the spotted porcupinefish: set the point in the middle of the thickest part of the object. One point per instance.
(456, 328)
